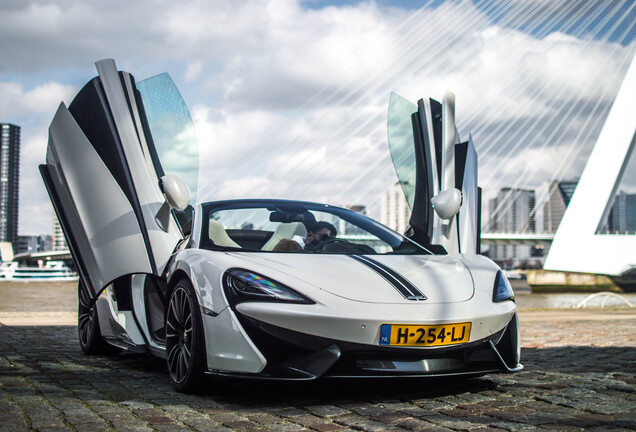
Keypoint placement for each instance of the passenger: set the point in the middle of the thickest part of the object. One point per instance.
(286, 245)
(318, 232)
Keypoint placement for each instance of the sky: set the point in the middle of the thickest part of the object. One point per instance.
(289, 97)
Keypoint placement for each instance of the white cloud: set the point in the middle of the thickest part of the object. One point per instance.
(32, 110)
(290, 101)
(193, 71)
(16, 102)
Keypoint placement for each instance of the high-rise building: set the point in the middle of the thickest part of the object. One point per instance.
(350, 229)
(9, 181)
(33, 243)
(511, 212)
(622, 216)
(394, 210)
(59, 241)
(344, 228)
(558, 196)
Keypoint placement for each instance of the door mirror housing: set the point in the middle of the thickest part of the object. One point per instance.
(175, 190)
(447, 203)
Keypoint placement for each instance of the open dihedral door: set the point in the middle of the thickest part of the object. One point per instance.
(102, 173)
(429, 159)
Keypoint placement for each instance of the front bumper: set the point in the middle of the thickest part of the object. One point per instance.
(292, 355)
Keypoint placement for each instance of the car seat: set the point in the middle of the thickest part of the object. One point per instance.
(285, 231)
(219, 236)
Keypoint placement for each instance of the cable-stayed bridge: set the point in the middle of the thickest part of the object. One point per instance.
(534, 82)
(524, 239)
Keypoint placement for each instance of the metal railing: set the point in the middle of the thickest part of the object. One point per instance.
(606, 296)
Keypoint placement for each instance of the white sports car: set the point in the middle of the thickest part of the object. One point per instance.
(271, 289)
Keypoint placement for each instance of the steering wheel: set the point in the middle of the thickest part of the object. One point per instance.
(330, 241)
(334, 245)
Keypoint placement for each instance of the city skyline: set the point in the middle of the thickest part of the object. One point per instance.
(295, 93)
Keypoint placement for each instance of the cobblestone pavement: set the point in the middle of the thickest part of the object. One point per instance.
(579, 375)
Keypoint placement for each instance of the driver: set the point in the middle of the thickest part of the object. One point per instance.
(316, 233)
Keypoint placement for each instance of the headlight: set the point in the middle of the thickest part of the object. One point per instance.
(502, 290)
(242, 285)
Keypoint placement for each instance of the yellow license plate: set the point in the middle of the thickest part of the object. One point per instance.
(424, 335)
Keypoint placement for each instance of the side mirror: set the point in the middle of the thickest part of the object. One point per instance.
(447, 203)
(175, 190)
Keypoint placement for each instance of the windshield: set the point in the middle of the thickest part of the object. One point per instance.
(297, 227)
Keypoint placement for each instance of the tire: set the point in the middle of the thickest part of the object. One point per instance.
(185, 343)
(90, 338)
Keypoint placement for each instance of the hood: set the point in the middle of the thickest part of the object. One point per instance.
(372, 278)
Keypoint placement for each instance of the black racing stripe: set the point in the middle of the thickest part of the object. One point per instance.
(387, 276)
(407, 289)
(415, 292)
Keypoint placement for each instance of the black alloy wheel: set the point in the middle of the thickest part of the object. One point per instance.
(185, 346)
(90, 337)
